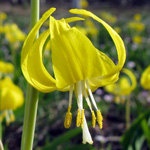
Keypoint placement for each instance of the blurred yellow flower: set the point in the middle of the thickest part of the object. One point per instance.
(1, 29)
(83, 3)
(145, 79)
(11, 97)
(3, 16)
(90, 27)
(137, 39)
(137, 17)
(108, 17)
(123, 86)
(6, 67)
(82, 29)
(13, 33)
(77, 65)
(117, 29)
(138, 26)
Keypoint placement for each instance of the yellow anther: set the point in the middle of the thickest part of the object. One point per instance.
(99, 119)
(78, 121)
(82, 118)
(93, 119)
(68, 118)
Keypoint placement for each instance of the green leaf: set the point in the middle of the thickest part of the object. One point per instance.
(139, 143)
(131, 135)
(146, 131)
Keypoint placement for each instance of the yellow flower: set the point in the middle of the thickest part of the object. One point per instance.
(78, 66)
(84, 3)
(82, 29)
(123, 86)
(137, 17)
(3, 16)
(138, 26)
(13, 33)
(108, 17)
(90, 27)
(117, 29)
(6, 67)
(1, 29)
(11, 97)
(137, 39)
(145, 79)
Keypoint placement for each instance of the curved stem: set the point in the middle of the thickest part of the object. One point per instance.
(32, 96)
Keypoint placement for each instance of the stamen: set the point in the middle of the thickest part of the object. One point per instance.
(78, 120)
(91, 96)
(100, 119)
(93, 119)
(82, 118)
(68, 118)
(86, 96)
(79, 95)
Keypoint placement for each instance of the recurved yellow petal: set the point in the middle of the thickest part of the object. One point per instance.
(34, 70)
(72, 19)
(132, 78)
(116, 38)
(124, 86)
(31, 58)
(33, 33)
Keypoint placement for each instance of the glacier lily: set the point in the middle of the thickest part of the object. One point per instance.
(11, 98)
(78, 66)
(145, 78)
(124, 86)
(122, 90)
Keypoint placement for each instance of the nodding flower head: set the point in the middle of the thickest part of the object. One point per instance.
(11, 97)
(145, 79)
(125, 85)
(77, 65)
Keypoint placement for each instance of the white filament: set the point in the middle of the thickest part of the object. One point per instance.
(79, 95)
(91, 96)
(70, 95)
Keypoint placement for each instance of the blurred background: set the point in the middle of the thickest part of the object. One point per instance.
(125, 106)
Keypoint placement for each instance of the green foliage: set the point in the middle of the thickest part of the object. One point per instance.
(134, 137)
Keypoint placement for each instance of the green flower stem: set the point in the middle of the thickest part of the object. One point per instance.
(128, 112)
(32, 96)
(29, 119)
